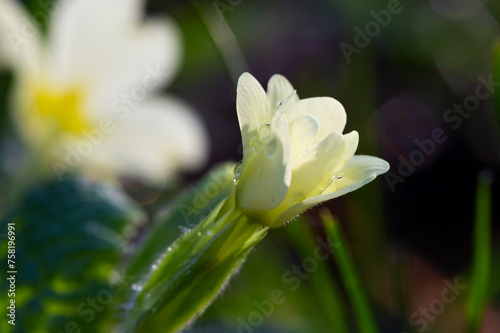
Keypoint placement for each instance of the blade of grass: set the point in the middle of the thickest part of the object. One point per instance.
(223, 37)
(496, 77)
(350, 277)
(481, 265)
(326, 290)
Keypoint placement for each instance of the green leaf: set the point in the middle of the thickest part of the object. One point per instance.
(69, 236)
(359, 301)
(326, 291)
(183, 214)
(481, 266)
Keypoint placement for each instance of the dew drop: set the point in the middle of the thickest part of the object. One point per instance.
(335, 178)
(271, 148)
(154, 266)
(255, 141)
(238, 169)
(265, 130)
(169, 249)
(136, 287)
(282, 103)
(184, 230)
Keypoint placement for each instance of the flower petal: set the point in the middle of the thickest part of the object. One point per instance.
(317, 171)
(302, 133)
(360, 171)
(328, 111)
(142, 65)
(251, 105)
(153, 142)
(278, 89)
(267, 171)
(19, 38)
(114, 54)
(351, 144)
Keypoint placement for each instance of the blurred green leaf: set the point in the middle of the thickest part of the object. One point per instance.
(361, 307)
(69, 237)
(481, 266)
(184, 213)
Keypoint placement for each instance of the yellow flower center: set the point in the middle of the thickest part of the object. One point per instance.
(63, 108)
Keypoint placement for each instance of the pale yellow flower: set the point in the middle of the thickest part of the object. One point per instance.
(87, 93)
(294, 153)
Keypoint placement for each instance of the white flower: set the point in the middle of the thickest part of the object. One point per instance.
(294, 153)
(87, 94)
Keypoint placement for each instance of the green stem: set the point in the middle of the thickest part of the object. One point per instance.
(326, 289)
(349, 275)
(223, 37)
(193, 271)
(482, 255)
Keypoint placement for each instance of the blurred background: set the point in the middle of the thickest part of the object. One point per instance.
(411, 76)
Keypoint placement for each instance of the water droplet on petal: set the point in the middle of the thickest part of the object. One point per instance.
(265, 130)
(238, 169)
(279, 104)
(340, 177)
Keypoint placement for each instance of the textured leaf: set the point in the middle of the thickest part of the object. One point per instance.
(69, 237)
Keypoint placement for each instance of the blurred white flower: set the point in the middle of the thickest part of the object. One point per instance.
(87, 93)
(294, 153)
